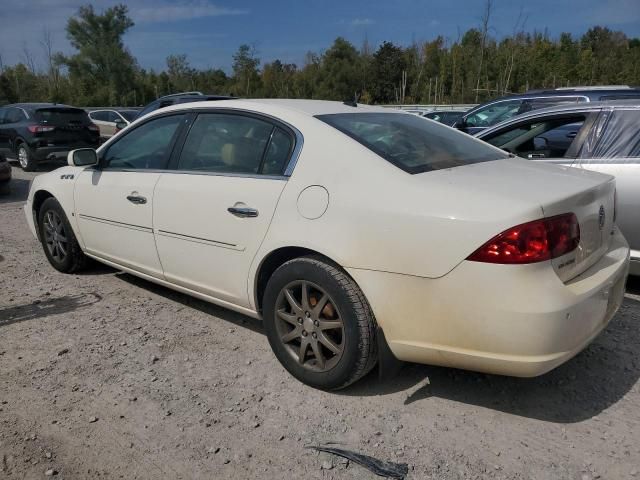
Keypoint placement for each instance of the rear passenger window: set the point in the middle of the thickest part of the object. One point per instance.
(278, 153)
(615, 135)
(227, 143)
(14, 115)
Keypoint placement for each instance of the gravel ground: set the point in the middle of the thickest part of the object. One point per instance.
(103, 375)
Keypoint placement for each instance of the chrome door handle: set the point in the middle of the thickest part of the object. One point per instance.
(243, 212)
(137, 199)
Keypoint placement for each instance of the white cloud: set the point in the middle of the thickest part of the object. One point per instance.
(170, 12)
(358, 22)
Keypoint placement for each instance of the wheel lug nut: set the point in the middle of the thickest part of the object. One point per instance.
(304, 333)
(300, 321)
(316, 323)
(314, 335)
(307, 314)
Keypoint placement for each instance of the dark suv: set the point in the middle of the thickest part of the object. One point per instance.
(35, 132)
(501, 109)
(184, 97)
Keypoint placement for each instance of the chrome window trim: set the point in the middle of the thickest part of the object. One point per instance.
(193, 172)
(197, 108)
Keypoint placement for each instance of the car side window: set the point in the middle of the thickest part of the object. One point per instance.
(145, 147)
(278, 153)
(544, 102)
(540, 138)
(14, 115)
(227, 143)
(99, 116)
(493, 114)
(618, 136)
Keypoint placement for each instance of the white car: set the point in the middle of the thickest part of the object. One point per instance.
(350, 230)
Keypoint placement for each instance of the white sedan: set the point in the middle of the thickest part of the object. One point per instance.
(351, 231)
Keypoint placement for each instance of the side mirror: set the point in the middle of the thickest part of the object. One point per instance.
(82, 157)
(120, 125)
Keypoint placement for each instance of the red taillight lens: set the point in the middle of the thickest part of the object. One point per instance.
(532, 242)
(40, 128)
(93, 127)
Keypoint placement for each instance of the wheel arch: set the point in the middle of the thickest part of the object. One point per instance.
(39, 198)
(273, 260)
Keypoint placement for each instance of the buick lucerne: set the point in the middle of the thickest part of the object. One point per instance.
(349, 230)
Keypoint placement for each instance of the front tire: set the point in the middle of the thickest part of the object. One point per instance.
(25, 158)
(58, 240)
(319, 324)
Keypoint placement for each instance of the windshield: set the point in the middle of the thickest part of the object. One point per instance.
(412, 143)
(128, 115)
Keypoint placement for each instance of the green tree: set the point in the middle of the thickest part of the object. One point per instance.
(389, 64)
(102, 70)
(245, 71)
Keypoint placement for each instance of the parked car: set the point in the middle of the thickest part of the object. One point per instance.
(109, 121)
(599, 136)
(502, 109)
(35, 132)
(5, 175)
(352, 231)
(184, 97)
(448, 117)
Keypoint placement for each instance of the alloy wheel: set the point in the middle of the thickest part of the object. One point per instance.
(23, 157)
(310, 326)
(55, 236)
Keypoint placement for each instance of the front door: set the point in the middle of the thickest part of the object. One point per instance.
(213, 211)
(114, 202)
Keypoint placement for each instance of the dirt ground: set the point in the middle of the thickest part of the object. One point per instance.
(103, 375)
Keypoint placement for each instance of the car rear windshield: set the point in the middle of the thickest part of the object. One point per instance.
(61, 116)
(412, 143)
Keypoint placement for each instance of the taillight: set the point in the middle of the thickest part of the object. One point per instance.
(40, 128)
(532, 242)
(93, 127)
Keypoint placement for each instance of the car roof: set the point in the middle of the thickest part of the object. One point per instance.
(308, 107)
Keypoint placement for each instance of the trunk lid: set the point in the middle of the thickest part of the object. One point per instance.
(490, 197)
(71, 125)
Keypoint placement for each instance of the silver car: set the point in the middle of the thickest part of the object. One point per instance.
(600, 136)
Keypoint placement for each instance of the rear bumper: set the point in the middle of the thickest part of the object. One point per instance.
(59, 153)
(511, 320)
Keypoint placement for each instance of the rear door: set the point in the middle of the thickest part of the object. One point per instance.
(5, 145)
(13, 120)
(114, 202)
(613, 147)
(212, 210)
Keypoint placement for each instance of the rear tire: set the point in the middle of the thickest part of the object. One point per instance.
(325, 337)
(58, 240)
(25, 158)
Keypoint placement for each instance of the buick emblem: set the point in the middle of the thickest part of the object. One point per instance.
(601, 217)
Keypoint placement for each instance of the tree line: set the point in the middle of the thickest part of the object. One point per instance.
(470, 69)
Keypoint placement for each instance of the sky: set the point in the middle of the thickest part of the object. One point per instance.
(210, 31)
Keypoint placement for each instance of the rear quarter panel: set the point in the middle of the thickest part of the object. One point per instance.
(627, 173)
